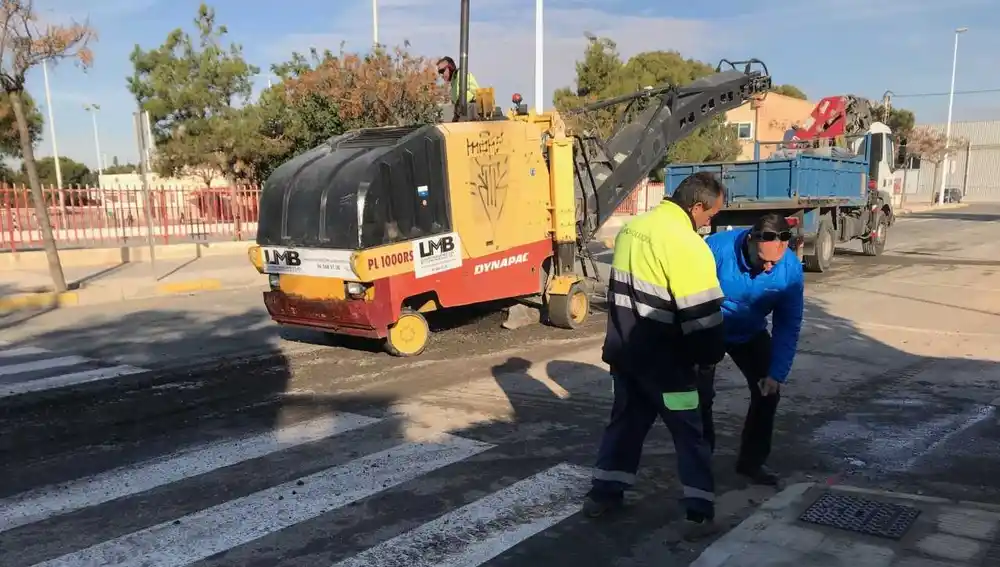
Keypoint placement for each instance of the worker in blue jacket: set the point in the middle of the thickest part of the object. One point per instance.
(760, 276)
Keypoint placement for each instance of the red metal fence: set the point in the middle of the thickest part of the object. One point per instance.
(90, 217)
(87, 216)
(640, 198)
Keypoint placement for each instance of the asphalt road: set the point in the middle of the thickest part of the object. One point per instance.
(476, 453)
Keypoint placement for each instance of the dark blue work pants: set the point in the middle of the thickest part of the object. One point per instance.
(636, 406)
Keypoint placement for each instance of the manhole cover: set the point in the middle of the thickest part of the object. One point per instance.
(861, 515)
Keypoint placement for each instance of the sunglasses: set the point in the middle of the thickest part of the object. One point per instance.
(441, 71)
(771, 236)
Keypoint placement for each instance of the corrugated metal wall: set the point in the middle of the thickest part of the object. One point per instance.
(974, 169)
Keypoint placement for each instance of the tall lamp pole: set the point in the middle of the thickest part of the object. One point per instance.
(93, 110)
(52, 126)
(539, 57)
(375, 22)
(947, 130)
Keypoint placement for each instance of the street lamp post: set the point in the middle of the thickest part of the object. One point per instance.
(947, 130)
(93, 109)
(539, 57)
(52, 131)
(375, 22)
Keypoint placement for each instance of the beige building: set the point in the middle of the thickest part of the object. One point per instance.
(766, 121)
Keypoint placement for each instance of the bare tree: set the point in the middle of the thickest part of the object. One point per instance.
(931, 145)
(25, 42)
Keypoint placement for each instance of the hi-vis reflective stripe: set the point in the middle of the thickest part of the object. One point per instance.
(647, 311)
(701, 323)
(641, 285)
(692, 492)
(690, 306)
(696, 299)
(651, 302)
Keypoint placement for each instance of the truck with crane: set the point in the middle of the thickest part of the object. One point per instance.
(375, 228)
(831, 178)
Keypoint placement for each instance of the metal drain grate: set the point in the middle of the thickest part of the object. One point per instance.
(846, 512)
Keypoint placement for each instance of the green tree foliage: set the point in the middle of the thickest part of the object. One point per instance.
(10, 140)
(900, 120)
(8, 176)
(193, 89)
(197, 93)
(326, 94)
(790, 90)
(73, 172)
(117, 168)
(602, 74)
(27, 41)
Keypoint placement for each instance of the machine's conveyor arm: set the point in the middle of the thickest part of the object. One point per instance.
(608, 171)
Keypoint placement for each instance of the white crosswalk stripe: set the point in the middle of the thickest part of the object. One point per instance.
(465, 533)
(26, 369)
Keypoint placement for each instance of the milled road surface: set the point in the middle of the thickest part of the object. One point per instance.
(477, 452)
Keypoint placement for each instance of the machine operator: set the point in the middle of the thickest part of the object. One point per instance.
(760, 276)
(665, 321)
(448, 71)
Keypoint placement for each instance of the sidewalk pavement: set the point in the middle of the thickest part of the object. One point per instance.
(915, 531)
(227, 268)
(90, 285)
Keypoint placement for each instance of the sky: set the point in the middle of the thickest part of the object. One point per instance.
(856, 47)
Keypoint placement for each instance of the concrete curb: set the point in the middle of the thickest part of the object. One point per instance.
(903, 211)
(86, 257)
(49, 299)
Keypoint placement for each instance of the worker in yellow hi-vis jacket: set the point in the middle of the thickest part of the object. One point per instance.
(449, 72)
(665, 322)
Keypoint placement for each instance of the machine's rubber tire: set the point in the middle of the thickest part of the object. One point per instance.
(409, 335)
(568, 311)
(824, 248)
(876, 245)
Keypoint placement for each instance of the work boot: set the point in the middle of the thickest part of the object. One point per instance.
(761, 475)
(598, 504)
(696, 526)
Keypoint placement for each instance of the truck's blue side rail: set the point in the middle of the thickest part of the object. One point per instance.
(784, 182)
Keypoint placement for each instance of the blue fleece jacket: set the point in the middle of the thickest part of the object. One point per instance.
(751, 297)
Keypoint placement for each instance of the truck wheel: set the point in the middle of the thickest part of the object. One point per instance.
(409, 335)
(875, 245)
(820, 261)
(569, 311)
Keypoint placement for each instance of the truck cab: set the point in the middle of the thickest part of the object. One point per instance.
(878, 146)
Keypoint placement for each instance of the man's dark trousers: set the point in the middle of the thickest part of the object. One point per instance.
(753, 358)
(636, 406)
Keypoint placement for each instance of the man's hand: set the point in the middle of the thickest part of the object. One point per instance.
(768, 386)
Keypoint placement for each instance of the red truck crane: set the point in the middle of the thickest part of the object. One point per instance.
(833, 117)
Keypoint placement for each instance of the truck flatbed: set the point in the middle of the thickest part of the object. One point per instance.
(830, 195)
(800, 180)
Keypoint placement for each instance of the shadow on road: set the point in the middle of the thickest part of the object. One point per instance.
(856, 410)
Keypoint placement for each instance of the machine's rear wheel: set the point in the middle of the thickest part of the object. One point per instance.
(875, 245)
(409, 335)
(569, 311)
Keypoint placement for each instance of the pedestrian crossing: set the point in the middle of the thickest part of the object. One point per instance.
(132, 515)
(27, 369)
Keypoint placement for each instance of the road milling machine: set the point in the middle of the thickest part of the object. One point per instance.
(368, 232)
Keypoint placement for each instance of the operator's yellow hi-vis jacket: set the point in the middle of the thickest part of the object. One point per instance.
(664, 299)
(470, 88)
